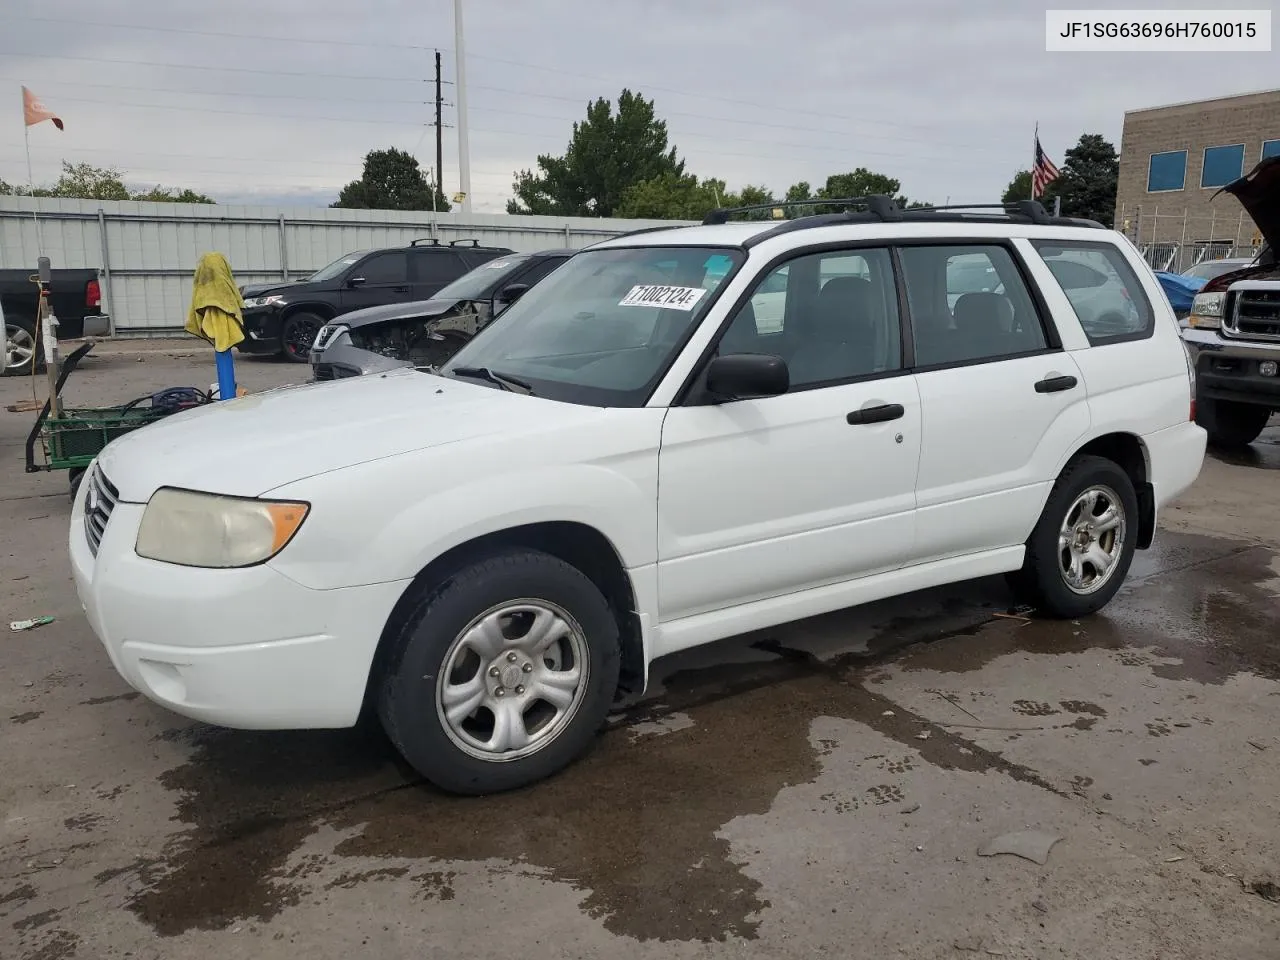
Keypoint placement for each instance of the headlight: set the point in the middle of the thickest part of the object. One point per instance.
(263, 301)
(1206, 311)
(207, 530)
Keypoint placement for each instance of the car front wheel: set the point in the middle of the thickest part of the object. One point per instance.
(22, 349)
(503, 675)
(1080, 550)
(298, 334)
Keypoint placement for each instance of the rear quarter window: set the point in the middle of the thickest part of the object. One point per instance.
(1103, 289)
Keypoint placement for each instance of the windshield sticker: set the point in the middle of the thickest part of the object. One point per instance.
(670, 298)
(498, 264)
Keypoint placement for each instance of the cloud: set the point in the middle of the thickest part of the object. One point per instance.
(942, 95)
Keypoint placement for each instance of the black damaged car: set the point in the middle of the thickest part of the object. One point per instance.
(426, 333)
(285, 317)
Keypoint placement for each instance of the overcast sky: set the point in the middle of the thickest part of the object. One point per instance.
(754, 91)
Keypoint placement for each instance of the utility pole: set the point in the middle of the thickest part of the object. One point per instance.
(438, 188)
(460, 61)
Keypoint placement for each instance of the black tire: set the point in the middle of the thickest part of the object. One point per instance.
(1041, 581)
(1231, 424)
(74, 476)
(298, 334)
(407, 688)
(22, 330)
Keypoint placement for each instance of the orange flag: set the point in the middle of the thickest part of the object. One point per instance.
(35, 111)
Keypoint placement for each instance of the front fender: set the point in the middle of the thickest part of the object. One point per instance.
(386, 520)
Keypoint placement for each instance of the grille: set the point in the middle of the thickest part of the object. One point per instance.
(1254, 315)
(99, 500)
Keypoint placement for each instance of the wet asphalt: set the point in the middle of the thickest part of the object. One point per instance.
(822, 788)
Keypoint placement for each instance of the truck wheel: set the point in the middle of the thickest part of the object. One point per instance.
(1230, 423)
(1080, 550)
(501, 676)
(298, 334)
(21, 347)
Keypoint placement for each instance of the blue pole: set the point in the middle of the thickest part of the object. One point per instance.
(226, 375)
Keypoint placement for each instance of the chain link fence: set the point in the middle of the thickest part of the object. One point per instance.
(1176, 240)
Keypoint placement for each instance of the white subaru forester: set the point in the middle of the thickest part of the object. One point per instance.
(626, 464)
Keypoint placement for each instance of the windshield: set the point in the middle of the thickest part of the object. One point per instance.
(602, 329)
(337, 267)
(1213, 268)
(473, 285)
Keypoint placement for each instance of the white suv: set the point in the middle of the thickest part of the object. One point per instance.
(624, 465)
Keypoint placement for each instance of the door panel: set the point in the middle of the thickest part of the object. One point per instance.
(991, 446)
(760, 498)
(1000, 408)
(386, 280)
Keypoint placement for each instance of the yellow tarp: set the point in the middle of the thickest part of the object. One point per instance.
(215, 313)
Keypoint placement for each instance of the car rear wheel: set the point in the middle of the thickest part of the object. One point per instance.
(1080, 550)
(501, 676)
(298, 334)
(22, 349)
(1229, 423)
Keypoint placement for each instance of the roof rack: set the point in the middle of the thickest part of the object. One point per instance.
(882, 207)
(458, 243)
(431, 240)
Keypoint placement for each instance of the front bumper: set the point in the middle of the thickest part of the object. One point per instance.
(1229, 369)
(247, 648)
(262, 329)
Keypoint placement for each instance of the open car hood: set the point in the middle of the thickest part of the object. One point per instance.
(1259, 193)
(414, 310)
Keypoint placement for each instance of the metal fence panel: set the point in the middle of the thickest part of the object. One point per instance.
(147, 251)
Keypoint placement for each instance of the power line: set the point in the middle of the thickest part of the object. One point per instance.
(227, 94)
(193, 66)
(789, 108)
(380, 45)
(241, 113)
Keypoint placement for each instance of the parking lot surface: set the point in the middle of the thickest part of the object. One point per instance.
(819, 789)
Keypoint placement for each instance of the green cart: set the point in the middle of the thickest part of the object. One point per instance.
(71, 439)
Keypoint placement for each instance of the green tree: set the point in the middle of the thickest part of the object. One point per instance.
(859, 183)
(1087, 183)
(392, 180)
(159, 194)
(1019, 188)
(85, 182)
(608, 154)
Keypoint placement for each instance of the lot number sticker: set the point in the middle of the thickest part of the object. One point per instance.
(653, 295)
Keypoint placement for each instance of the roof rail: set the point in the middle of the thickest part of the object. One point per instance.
(634, 233)
(884, 208)
(458, 243)
(431, 240)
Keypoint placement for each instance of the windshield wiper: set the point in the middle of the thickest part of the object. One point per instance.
(498, 379)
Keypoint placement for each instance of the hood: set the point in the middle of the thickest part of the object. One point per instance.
(253, 444)
(263, 289)
(1259, 193)
(417, 309)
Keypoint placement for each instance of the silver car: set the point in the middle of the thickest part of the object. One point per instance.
(426, 333)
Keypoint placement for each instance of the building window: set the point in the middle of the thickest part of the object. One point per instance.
(1270, 148)
(1222, 165)
(1167, 171)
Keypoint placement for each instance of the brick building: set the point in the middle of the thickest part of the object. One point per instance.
(1174, 158)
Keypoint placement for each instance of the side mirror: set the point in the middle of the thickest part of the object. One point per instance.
(513, 292)
(739, 376)
(355, 282)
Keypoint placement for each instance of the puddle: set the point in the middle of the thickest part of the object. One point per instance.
(634, 825)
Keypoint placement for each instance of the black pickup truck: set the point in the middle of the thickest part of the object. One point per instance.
(76, 299)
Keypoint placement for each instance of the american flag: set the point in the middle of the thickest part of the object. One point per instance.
(1042, 173)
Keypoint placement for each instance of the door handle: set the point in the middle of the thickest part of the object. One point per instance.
(400, 289)
(876, 413)
(1055, 384)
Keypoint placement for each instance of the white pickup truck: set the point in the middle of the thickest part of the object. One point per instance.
(1233, 331)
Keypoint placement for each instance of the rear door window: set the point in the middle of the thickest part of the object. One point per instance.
(1103, 289)
(438, 266)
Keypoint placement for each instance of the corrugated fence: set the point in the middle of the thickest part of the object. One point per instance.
(147, 252)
